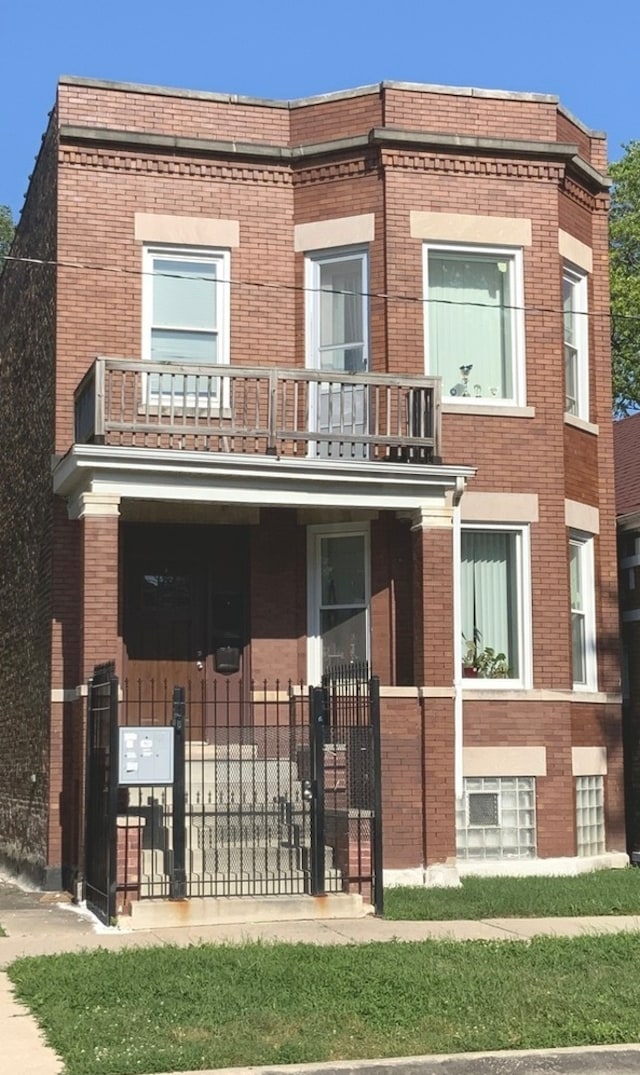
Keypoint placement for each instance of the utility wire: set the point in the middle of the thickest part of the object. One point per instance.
(270, 285)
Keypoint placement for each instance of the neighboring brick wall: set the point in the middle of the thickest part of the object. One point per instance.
(27, 348)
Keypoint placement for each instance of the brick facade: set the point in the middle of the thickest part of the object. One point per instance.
(114, 153)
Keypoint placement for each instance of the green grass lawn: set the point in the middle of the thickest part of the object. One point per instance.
(167, 1009)
(603, 892)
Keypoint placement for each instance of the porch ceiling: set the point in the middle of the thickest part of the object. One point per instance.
(261, 481)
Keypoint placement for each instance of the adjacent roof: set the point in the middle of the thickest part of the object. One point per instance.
(626, 446)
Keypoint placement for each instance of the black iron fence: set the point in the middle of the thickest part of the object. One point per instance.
(273, 790)
(101, 801)
(352, 779)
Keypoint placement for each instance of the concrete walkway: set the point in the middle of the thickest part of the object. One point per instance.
(43, 924)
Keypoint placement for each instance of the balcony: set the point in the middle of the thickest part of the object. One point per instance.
(267, 411)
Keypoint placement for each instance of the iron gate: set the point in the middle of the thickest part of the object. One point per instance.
(276, 791)
(101, 796)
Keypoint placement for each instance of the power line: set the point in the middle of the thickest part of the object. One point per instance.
(278, 286)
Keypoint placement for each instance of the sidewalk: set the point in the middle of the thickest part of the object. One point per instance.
(37, 924)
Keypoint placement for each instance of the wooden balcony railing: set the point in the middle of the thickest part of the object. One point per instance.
(290, 412)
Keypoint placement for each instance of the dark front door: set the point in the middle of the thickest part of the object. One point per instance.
(186, 619)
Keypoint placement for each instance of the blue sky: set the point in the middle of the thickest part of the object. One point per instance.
(586, 53)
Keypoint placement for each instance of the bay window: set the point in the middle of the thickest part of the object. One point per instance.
(494, 593)
(583, 645)
(576, 351)
(474, 323)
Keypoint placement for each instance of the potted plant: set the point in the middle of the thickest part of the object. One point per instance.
(482, 662)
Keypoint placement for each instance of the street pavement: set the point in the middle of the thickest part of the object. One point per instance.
(39, 923)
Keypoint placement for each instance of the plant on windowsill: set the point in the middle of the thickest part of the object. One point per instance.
(482, 662)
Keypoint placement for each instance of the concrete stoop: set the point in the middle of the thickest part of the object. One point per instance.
(238, 910)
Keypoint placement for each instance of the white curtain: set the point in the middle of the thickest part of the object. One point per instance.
(489, 593)
(470, 324)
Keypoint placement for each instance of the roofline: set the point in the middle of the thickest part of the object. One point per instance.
(629, 520)
(578, 123)
(336, 95)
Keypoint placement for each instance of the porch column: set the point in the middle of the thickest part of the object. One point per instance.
(99, 516)
(432, 534)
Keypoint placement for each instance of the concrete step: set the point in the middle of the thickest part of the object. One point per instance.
(158, 913)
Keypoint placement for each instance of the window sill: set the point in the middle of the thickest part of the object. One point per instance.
(581, 423)
(495, 687)
(188, 411)
(536, 694)
(489, 410)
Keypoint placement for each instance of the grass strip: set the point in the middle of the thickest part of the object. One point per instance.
(173, 1009)
(603, 892)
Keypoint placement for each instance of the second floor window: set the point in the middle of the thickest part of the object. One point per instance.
(337, 315)
(337, 344)
(185, 316)
(474, 323)
(576, 358)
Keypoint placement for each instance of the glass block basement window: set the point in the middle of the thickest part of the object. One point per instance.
(496, 818)
(590, 815)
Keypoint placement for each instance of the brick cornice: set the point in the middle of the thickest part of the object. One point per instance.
(354, 168)
(433, 152)
(461, 164)
(577, 193)
(176, 167)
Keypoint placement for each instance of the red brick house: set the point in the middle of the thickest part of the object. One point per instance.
(295, 384)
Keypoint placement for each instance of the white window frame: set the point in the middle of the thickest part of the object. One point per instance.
(579, 284)
(584, 542)
(523, 609)
(219, 257)
(314, 588)
(314, 260)
(514, 258)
